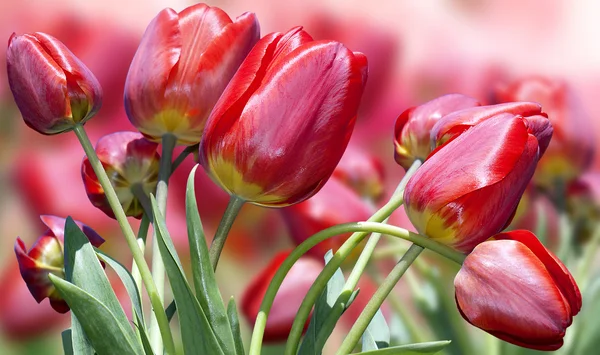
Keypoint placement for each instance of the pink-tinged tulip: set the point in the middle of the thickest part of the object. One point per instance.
(413, 126)
(571, 151)
(182, 66)
(288, 299)
(132, 164)
(282, 125)
(362, 172)
(469, 190)
(46, 256)
(334, 204)
(53, 89)
(517, 290)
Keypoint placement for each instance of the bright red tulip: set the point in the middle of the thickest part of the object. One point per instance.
(45, 257)
(289, 297)
(132, 163)
(517, 290)
(469, 189)
(571, 151)
(282, 125)
(362, 172)
(413, 127)
(182, 66)
(53, 89)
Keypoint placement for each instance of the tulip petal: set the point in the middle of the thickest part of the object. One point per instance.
(57, 226)
(34, 275)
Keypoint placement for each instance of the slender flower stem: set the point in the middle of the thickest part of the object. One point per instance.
(181, 157)
(135, 271)
(158, 268)
(376, 301)
(361, 229)
(130, 238)
(216, 247)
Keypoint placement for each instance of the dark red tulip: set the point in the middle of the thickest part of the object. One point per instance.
(517, 290)
(282, 125)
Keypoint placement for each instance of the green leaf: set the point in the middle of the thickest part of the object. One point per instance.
(432, 347)
(232, 314)
(104, 331)
(83, 269)
(79, 341)
(144, 337)
(205, 283)
(67, 342)
(196, 332)
(587, 323)
(170, 311)
(377, 334)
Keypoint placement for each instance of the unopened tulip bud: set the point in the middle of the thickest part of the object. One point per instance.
(131, 163)
(282, 125)
(182, 66)
(53, 89)
(46, 256)
(517, 290)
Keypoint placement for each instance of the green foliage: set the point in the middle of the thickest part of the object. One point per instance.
(432, 347)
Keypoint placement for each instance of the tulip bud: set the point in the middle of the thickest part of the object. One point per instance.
(583, 207)
(131, 163)
(182, 66)
(469, 190)
(46, 256)
(288, 299)
(282, 125)
(413, 126)
(53, 89)
(517, 290)
(362, 172)
(571, 152)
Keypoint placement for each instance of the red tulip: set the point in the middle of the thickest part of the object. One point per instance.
(334, 204)
(413, 127)
(469, 190)
(45, 257)
(282, 125)
(362, 172)
(571, 151)
(517, 290)
(53, 89)
(132, 163)
(288, 299)
(182, 66)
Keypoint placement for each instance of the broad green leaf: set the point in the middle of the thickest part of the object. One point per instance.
(79, 341)
(205, 283)
(196, 332)
(67, 342)
(232, 314)
(104, 331)
(83, 269)
(377, 334)
(432, 347)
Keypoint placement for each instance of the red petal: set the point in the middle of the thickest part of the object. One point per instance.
(57, 226)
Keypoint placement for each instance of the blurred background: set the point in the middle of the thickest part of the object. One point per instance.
(417, 50)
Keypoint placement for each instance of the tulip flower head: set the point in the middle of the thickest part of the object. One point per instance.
(53, 89)
(283, 123)
(470, 188)
(182, 66)
(131, 163)
(362, 172)
(517, 290)
(46, 256)
(413, 126)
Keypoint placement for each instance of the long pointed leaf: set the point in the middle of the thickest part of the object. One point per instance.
(234, 320)
(377, 334)
(411, 349)
(67, 342)
(79, 341)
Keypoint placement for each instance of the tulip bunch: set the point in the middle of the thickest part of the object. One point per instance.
(269, 120)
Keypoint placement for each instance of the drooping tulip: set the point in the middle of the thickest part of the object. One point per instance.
(288, 299)
(469, 190)
(53, 89)
(413, 126)
(517, 290)
(46, 256)
(131, 163)
(182, 66)
(362, 172)
(282, 125)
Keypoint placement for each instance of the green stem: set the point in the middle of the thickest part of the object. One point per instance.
(216, 247)
(135, 271)
(181, 157)
(361, 229)
(158, 267)
(588, 258)
(130, 238)
(376, 301)
(138, 191)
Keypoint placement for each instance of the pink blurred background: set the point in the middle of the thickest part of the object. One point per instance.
(417, 50)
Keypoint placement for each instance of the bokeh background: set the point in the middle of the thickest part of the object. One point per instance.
(417, 50)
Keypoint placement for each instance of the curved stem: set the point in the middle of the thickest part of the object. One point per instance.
(135, 272)
(181, 157)
(158, 268)
(130, 238)
(216, 247)
(376, 301)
